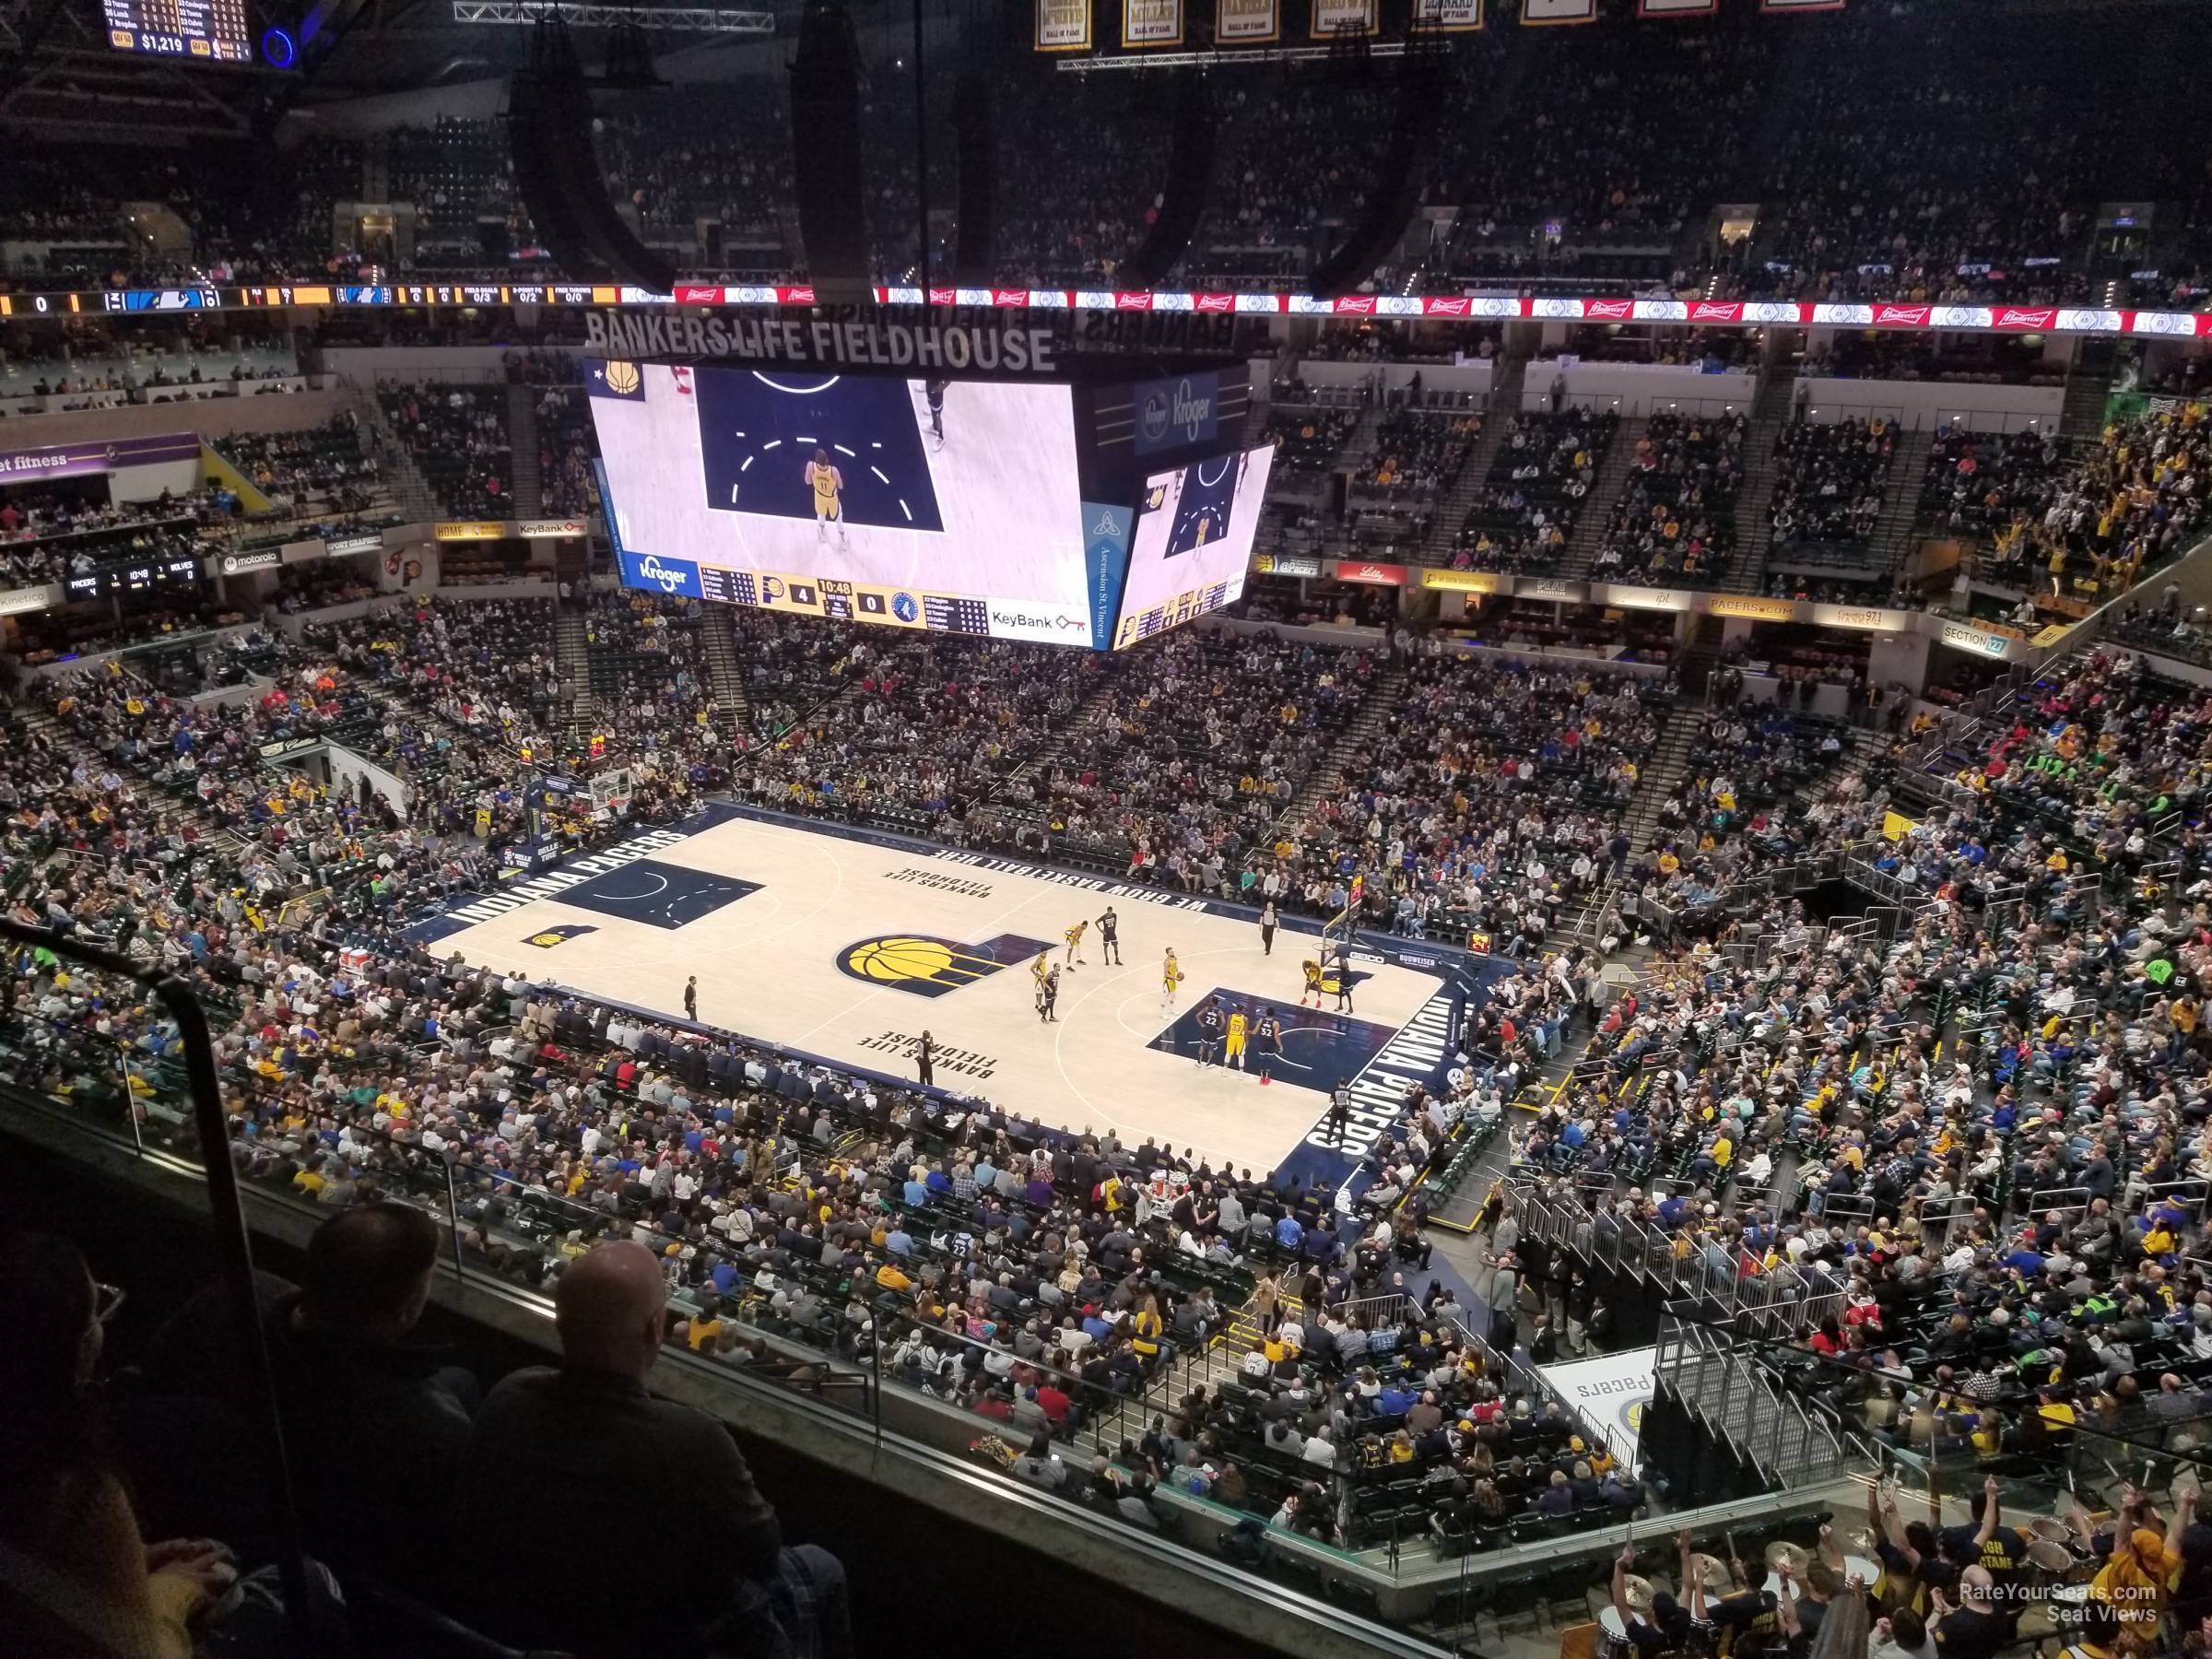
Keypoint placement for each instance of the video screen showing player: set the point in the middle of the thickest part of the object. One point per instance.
(824, 449)
(1192, 542)
(944, 486)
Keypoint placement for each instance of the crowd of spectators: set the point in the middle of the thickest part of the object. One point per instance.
(1829, 479)
(1489, 802)
(1675, 523)
(458, 437)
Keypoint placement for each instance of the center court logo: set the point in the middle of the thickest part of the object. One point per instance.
(547, 937)
(922, 965)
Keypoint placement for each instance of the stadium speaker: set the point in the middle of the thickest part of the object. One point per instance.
(826, 151)
(1395, 193)
(975, 134)
(1190, 177)
(557, 171)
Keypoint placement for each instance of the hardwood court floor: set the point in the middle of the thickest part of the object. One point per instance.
(849, 949)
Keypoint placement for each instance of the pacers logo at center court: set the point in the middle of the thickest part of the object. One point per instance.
(925, 966)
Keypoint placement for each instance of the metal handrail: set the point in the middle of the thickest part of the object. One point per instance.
(233, 1244)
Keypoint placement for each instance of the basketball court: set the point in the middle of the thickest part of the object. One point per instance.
(847, 946)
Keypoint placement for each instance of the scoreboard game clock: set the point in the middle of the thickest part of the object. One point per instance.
(212, 31)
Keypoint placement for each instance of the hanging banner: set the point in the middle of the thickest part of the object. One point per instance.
(1676, 8)
(1064, 25)
(1559, 11)
(1247, 22)
(1453, 17)
(1335, 17)
(1800, 5)
(1151, 22)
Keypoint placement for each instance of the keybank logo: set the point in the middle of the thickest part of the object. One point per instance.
(1022, 621)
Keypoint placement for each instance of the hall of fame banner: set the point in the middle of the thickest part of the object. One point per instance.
(1151, 23)
(1247, 22)
(1335, 17)
(1064, 25)
(1453, 17)
(1559, 11)
(1677, 8)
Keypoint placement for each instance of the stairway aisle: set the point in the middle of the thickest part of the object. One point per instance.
(1505, 403)
(1769, 415)
(1597, 506)
(1042, 758)
(521, 433)
(1375, 709)
(721, 648)
(1896, 532)
(572, 650)
(1669, 764)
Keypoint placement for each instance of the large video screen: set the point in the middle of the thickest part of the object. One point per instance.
(946, 504)
(1192, 542)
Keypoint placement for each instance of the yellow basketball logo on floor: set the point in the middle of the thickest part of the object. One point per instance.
(930, 967)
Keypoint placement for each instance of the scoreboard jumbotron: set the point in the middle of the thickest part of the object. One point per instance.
(211, 30)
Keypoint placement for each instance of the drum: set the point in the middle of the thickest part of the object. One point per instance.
(2048, 1529)
(2054, 1560)
(1614, 1633)
(1866, 1569)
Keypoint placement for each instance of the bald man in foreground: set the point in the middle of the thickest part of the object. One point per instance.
(622, 1524)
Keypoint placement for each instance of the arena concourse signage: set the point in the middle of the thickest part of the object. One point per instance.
(95, 456)
(238, 564)
(548, 529)
(452, 531)
(1460, 581)
(345, 547)
(15, 602)
(1285, 564)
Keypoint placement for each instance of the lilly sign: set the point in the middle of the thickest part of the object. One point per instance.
(657, 575)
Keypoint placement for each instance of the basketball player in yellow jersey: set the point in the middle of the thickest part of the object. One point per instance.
(1232, 1051)
(828, 486)
(1073, 935)
(1171, 976)
(1311, 970)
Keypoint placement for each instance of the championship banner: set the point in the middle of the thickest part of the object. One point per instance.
(1677, 8)
(1064, 25)
(1800, 5)
(1559, 11)
(1151, 23)
(1247, 22)
(1335, 17)
(1453, 17)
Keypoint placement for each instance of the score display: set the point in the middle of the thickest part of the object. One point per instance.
(211, 30)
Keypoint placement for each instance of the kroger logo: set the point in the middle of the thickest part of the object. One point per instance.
(669, 575)
(1181, 411)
